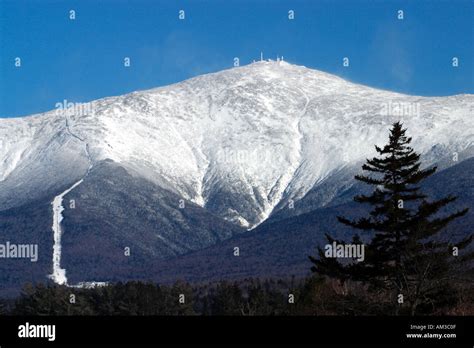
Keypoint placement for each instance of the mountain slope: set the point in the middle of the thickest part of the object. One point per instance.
(281, 249)
(239, 142)
(93, 246)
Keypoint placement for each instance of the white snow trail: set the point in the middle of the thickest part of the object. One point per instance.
(59, 274)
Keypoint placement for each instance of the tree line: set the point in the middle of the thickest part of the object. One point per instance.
(315, 295)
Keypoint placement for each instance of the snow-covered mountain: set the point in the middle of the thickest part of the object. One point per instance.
(180, 172)
(241, 143)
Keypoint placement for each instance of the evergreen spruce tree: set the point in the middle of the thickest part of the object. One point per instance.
(406, 254)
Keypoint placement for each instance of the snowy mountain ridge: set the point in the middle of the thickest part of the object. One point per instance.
(238, 142)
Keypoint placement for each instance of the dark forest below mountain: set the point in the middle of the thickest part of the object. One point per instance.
(311, 296)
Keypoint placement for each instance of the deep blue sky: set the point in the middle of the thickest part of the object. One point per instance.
(82, 60)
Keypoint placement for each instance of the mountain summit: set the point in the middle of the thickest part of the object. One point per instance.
(241, 143)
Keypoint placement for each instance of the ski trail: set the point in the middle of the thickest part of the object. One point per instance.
(59, 274)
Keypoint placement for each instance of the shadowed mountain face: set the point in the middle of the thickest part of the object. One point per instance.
(28, 224)
(118, 222)
(115, 210)
(281, 249)
(146, 182)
